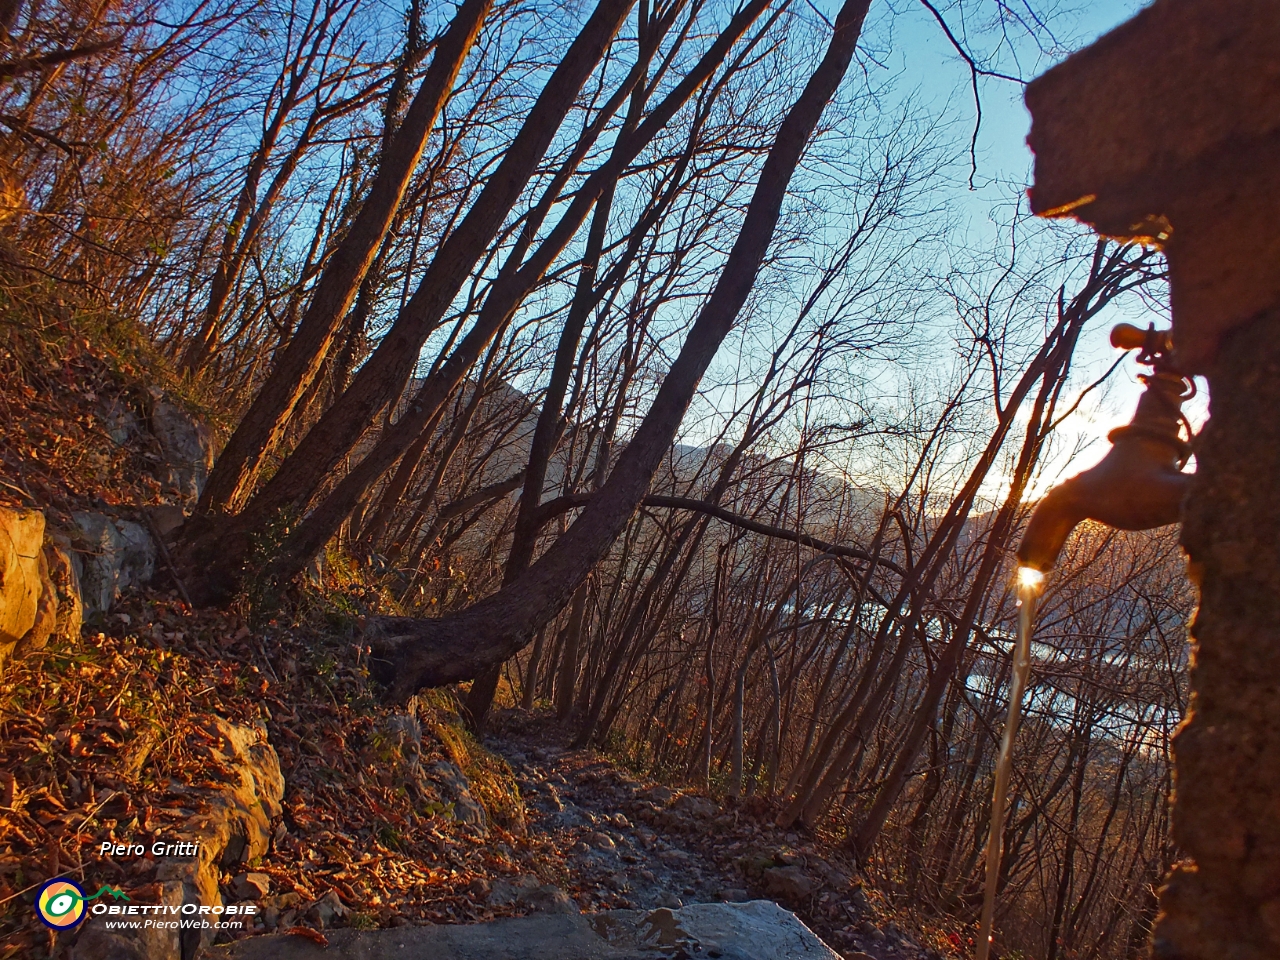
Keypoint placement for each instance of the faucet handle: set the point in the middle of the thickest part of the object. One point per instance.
(1151, 343)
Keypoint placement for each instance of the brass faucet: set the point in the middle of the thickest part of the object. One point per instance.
(1139, 484)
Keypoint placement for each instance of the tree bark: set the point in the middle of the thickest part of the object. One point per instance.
(302, 473)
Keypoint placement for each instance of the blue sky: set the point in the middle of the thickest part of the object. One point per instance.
(928, 64)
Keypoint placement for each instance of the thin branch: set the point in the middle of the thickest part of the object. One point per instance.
(975, 71)
(559, 505)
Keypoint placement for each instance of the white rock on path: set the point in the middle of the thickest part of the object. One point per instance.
(759, 930)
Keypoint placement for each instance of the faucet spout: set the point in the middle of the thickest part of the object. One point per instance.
(1138, 485)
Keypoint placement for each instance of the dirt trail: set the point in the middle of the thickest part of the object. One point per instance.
(634, 843)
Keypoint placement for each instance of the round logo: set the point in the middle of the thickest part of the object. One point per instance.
(60, 904)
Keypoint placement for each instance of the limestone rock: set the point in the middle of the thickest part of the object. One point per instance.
(602, 841)
(235, 822)
(66, 584)
(694, 806)
(660, 795)
(759, 930)
(251, 886)
(186, 448)
(526, 892)
(548, 898)
(95, 942)
(324, 911)
(113, 555)
(21, 547)
(466, 809)
(121, 420)
(46, 620)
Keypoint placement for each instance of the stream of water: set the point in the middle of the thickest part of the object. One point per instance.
(1029, 581)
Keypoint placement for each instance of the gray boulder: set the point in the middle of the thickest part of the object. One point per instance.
(759, 930)
(186, 449)
(113, 555)
(466, 809)
(787, 883)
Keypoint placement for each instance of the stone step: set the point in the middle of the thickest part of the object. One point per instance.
(757, 930)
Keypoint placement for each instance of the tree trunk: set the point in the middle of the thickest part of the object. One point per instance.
(568, 676)
(266, 419)
(214, 553)
(432, 652)
(303, 472)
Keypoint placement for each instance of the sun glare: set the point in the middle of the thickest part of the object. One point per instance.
(1029, 578)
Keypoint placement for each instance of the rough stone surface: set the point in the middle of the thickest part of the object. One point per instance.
(21, 586)
(787, 883)
(251, 886)
(95, 942)
(533, 896)
(1136, 122)
(113, 555)
(325, 910)
(466, 809)
(66, 584)
(1227, 906)
(46, 619)
(235, 827)
(759, 930)
(186, 448)
(1169, 128)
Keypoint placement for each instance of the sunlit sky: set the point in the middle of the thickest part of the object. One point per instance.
(914, 69)
(921, 51)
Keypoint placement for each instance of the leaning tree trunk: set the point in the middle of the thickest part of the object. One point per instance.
(1227, 811)
(417, 653)
(301, 360)
(212, 555)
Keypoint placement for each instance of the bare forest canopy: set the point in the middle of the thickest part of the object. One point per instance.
(643, 354)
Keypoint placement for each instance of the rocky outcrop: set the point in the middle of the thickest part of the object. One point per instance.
(65, 580)
(466, 809)
(234, 826)
(177, 445)
(45, 621)
(39, 585)
(186, 450)
(112, 555)
(21, 586)
(237, 824)
(50, 582)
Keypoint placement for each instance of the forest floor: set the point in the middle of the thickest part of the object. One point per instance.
(108, 739)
